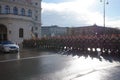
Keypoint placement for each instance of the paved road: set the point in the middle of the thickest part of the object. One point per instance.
(44, 65)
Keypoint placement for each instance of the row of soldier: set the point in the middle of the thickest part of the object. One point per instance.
(81, 42)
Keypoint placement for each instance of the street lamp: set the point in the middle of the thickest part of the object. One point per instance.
(104, 5)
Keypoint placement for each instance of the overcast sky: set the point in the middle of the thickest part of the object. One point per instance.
(74, 13)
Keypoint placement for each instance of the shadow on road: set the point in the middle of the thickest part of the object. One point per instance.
(93, 54)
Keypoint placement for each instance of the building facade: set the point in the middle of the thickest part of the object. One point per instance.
(92, 30)
(20, 19)
(52, 31)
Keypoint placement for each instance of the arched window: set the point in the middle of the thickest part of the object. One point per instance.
(15, 10)
(7, 9)
(23, 12)
(29, 13)
(21, 33)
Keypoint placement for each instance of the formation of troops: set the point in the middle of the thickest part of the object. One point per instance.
(106, 43)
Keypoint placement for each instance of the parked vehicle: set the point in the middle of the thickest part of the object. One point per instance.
(8, 46)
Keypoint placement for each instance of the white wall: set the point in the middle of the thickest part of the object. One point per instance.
(14, 25)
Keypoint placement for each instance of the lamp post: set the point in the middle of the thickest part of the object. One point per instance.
(104, 8)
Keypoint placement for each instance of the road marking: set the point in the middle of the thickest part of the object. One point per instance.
(25, 58)
(19, 59)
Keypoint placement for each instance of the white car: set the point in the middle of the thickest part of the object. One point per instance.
(8, 46)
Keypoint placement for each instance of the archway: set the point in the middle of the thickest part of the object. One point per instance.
(3, 32)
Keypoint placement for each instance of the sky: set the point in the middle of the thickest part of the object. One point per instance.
(76, 13)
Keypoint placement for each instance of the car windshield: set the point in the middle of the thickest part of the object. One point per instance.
(6, 42)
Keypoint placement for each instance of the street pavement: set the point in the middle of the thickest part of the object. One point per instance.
(30, 64)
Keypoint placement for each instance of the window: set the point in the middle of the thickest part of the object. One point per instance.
(36, 35)
(15, 10)
(12, 0)
(29, 13)
(36, 18)
(36, 11)
(23, 12)
(32, 29)
(21, 32)
(36, 3)
(36, 28)
(7, 9)
(0, 9)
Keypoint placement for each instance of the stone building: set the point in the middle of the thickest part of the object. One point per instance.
(92, 30)
(20, 19)
(52, 31)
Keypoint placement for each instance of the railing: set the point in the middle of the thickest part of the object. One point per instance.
(18, 16)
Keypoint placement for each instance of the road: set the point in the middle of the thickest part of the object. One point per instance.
(48, 65)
